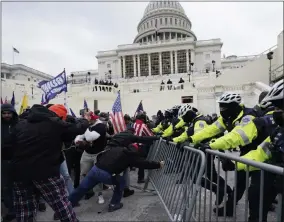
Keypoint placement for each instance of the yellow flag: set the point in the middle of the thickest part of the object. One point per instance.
(24, 104)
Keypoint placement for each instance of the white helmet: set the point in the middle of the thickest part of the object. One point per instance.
(276, 92)
(230, 98)
(185, 108)
(264, 104)
(176, 107)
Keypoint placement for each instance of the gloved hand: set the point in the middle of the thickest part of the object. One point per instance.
(179, 146)
(168, 140)
(204, 146)
(189, 139)
(228, 165)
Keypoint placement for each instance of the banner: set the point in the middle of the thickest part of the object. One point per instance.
(53, 87)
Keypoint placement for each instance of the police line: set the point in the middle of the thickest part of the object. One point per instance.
(192, 184)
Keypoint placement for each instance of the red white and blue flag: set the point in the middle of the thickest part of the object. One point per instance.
(117, 117)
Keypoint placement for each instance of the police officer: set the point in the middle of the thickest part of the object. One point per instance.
(177, 125)
(247, 135)
(232, 113)
(271, 151)
(164, 124)
(196, 123)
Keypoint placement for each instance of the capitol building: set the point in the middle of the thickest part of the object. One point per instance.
(165, 50)
(165, 44)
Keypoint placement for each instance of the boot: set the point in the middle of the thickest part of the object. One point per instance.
(114, 207)
(127, 192)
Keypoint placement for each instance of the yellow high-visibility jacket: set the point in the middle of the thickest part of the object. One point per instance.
(198, 124)
(161, 127)
(170, 130)
(261, 154)
(158, 128)
(219, 127)
(245, 133)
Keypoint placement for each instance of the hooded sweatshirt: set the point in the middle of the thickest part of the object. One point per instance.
(37, 144)
(6, 129)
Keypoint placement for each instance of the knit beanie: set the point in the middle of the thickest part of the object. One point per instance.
(59, 110)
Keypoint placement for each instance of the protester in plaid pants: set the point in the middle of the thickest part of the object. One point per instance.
(53, 192)
(36, 161)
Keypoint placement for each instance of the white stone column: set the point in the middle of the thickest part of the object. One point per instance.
(134, 64)
(172, 62)
(138, 63)
(164, 36)
(160, 63)
(176, 35)
(187, 61)
(123, 67)
(176, 63)
(149, 64)
(152, 38)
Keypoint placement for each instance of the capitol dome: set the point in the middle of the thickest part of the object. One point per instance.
(168, 18)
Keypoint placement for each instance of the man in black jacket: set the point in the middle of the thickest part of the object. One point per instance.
(118, 156)
(37, 156)
(9, 119)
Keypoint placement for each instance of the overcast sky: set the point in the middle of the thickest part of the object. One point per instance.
(52, 36)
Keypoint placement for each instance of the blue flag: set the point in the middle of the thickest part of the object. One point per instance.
(85, 104)
(13, 99)
(53, 87)
(139, 109)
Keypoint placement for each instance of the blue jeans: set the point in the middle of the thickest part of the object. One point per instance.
(94, 177)
(68, 181)
(7, 186)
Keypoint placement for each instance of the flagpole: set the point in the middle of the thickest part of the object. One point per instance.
(65, 96)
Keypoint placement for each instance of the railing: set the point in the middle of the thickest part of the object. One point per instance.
(249, 57)
(178, 200)
(192, 182)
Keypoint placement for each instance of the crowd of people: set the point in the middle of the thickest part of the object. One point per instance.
(51, 157)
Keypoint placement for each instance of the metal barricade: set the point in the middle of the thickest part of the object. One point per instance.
(178, 183)
(244, 195)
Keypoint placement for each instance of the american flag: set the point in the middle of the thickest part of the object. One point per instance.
(117, 117)
(139, 109)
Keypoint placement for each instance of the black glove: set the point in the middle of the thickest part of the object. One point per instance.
(228, 165)
(179, 146)
(189, 139)
(168, 140)
(204, 146)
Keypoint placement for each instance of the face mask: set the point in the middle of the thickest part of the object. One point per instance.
(278, 117)
(225, 114)
(188, 117)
